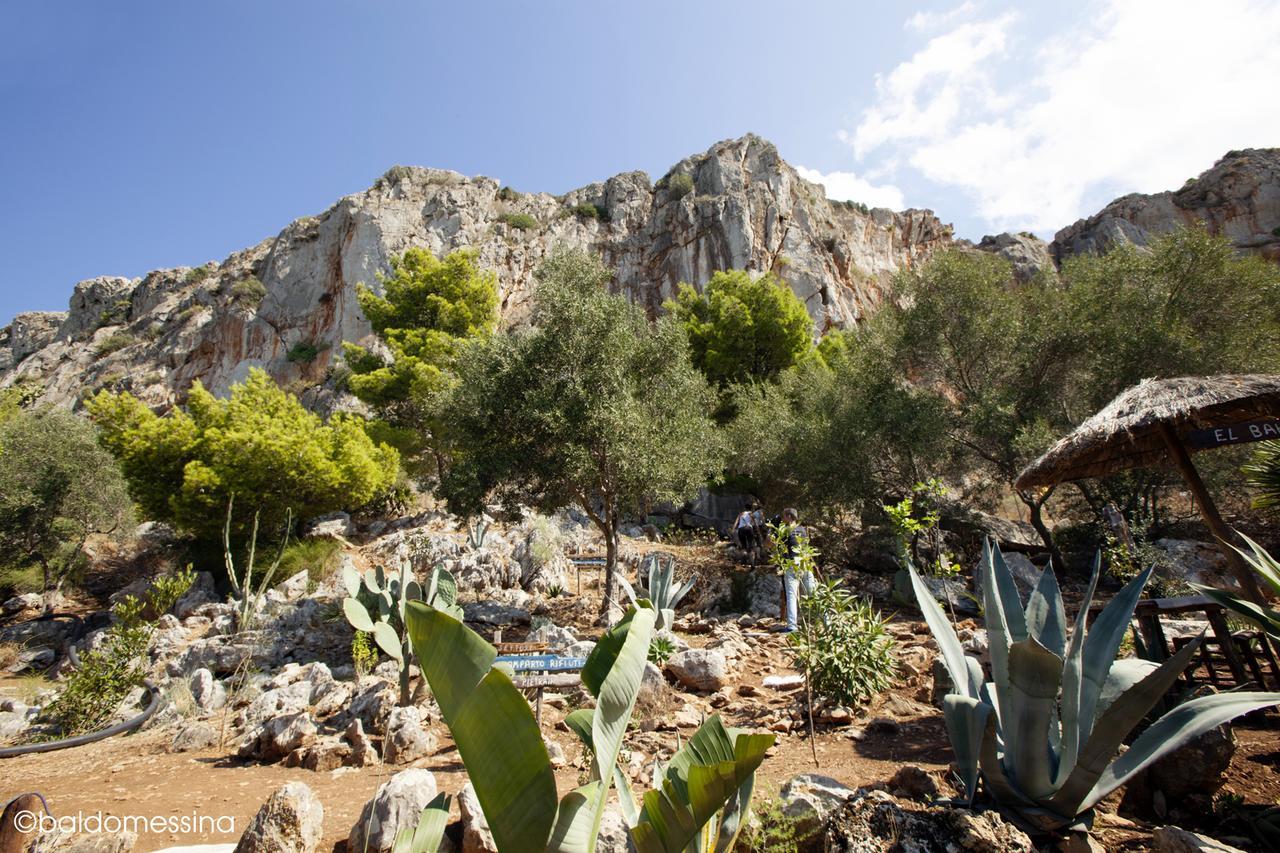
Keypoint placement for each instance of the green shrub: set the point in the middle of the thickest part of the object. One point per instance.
(117, 313)
(320, 557)
(507, 194)
(114, 342)
(364, 656)
(661, 648)
(843, 645)
(393, 176)
(260, 442)
(197, 274)
(187, 313)
(587, 210)
(304, 352)
(107, 674)
(249, 291)
(678, 186)
(519, 221)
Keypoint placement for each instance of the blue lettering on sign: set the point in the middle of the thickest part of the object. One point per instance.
(541, 663)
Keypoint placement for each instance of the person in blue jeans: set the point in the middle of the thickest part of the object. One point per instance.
(792, 579)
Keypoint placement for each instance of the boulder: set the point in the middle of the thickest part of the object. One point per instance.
(476, 837)
(875, 822)
(1173, 839)
(700, 669)
(194, 736)
(809, 799)
(915, 783)
(278, 737)
(1198, 768)
(614, 835)
(406, 739)
(363, 752)
(335, 525)
(290, 821)
(209, 693)
(494, 614)
(397, 804)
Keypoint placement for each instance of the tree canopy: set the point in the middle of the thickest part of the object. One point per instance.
(259, 444)
(743, 328)
(592, 406)
(428, 309)
(57, 487)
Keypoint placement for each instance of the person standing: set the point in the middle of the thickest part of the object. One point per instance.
(798, 561)
(747, 533)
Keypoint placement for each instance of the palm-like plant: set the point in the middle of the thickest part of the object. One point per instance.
(1263, 471)
(1041, 735)
(662, 591)
(1267, 618)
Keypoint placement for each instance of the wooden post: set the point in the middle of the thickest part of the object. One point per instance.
(1209, 511)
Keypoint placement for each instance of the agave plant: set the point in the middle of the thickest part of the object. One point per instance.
(376, 603)
(688, 808)
(506, 759)
(1267, 618)
(665, 597)
(1042, 733)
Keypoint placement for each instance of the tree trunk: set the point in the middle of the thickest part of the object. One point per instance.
(44, 565)
(1037, 521)
(609, 591)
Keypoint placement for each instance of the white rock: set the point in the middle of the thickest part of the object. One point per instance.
(290, 821)
(397, 804)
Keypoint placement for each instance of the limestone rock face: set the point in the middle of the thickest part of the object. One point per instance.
(1238, 198)
(748, 209)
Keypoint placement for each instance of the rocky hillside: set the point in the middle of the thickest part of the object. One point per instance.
(747, 209)
(287, 303)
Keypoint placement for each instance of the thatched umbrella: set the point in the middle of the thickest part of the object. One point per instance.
(1165, 420)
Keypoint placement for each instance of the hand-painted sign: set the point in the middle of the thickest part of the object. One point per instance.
(1240, 433)
(541, 663)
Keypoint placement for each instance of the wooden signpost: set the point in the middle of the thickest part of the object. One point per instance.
(1241, 433)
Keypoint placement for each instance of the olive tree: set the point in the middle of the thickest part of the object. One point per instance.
(57, 487)
(592, 406)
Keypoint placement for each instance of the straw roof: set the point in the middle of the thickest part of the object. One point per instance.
(1126, 434)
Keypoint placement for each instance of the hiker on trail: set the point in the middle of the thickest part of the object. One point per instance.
(794, 545)
(748, 534)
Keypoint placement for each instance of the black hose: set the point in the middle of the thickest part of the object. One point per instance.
(103, 734)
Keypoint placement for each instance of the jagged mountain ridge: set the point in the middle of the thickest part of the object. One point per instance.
(748, 209)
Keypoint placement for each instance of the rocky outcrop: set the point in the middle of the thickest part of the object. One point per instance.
(295, 294)
(1238, 198)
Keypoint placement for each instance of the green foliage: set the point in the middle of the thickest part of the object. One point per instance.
(742, 328)
(779, 832)
(1268, 568)
(260, 442)
(319, 556)
(105, 676)
(250, 597)
(114, 342)
(661, 648)
(507, 194)
(842, 645)
(1068, 692)
(588, 210)
(304, 352)
(57, 487)
(678, 186)
(364, 656)
(117, 313)
(593, 406)
(249, 291)
(916, 517)
(197, 274)
(376, 603)
(519, 221)
(429, 310)
(1263, 472)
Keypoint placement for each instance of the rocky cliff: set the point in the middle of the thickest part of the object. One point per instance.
(1238, 198)
(747, 209)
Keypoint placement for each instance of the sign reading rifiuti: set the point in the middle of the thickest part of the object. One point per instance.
(1240, 433)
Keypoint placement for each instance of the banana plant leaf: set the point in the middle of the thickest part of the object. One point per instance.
(612, 673)
(493, 727)
(427, 835)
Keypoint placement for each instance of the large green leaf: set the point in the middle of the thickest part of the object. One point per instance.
(953, 656)
(613, 672)
(1006, 625)
(1185, 722)
(1264, 617)
(1072, 680)
(427, 835)
(1046, 617)
(1101, 646)
(357, 615)
(494, 729)
(966, 720)
(705, 775)
(1035, 673)
(1122, 714)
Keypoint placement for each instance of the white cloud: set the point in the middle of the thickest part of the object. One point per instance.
(923, 22)
(846, 186)
(1137, 97)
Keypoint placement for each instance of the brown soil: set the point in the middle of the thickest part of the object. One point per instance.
(136, 775)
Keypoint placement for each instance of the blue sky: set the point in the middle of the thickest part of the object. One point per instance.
(139, 135)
